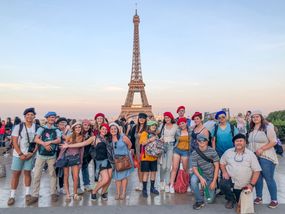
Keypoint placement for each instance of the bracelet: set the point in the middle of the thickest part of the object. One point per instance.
(253, 185)
(20, 154)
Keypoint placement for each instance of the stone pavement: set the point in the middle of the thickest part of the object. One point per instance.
(134, 200)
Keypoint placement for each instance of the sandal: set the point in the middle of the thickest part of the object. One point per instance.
(123, 196)
(117, 197)
(77, 197)
(67, 199)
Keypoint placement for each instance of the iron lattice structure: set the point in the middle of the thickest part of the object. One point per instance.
(136, 85)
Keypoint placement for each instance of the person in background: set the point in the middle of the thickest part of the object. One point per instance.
(262, 139)
(241, 124)
(210, 123)
(17, 121)
(9, 123)
(240, 169)
(2, 133)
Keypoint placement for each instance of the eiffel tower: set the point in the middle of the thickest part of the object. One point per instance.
(136, 85)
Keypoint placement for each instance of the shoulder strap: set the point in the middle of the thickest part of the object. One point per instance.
(202, 155)
(21, 126)
(216, 130)
(232, 129)
(27, 133)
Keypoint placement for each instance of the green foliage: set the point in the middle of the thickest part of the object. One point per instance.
(276, 115)
(278, 120)
(233, 122)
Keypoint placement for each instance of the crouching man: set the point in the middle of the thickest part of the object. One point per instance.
(205, 162)
(240, 168)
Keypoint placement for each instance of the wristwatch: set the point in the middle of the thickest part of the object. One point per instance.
(20, 154)
(253, 185)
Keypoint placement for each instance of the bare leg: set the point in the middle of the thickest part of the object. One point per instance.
(66, 181)
(175, 166)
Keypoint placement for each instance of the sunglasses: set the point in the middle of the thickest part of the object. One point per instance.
(222, 117)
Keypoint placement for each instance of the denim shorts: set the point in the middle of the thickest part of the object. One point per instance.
(19, 165)
(182, 153)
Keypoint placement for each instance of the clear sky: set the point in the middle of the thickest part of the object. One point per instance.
(74, 57)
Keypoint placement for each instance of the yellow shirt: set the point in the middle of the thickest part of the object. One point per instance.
(144, 155)
(183, 143)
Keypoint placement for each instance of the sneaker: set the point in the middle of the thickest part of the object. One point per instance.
(80, 191)
(154, 191)
(229, 205)
(189, 189)
(273, 204)
(144, 193)
(87, 188)
(54, 197)
(94, 197)
(167, 189)
(162, 186)
(139, 187)
(171, 189)
(258, 200)
(104, 196)
(33, 200)
(198, 205)
(28, 198)
(11, 201)
(77, 197)
(61, 191)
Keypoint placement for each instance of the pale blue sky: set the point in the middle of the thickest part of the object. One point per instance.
(74, 57)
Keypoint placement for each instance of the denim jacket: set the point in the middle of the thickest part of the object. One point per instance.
(178, 134)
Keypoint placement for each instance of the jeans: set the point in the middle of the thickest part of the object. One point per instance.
(165, 167)
(226, 186)
(267, 173)
(85, 172)
(195, 187)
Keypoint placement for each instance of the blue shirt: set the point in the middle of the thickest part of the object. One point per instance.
(224, 139)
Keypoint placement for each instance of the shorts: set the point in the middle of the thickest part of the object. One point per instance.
(182, 153)
(148, 166)
(19, 165)
(109, 166)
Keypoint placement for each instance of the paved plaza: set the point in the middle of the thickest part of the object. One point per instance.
(134, 201)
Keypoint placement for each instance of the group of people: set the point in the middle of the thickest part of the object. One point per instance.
(216, 156)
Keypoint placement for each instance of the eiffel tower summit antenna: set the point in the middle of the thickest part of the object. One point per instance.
(136, 85)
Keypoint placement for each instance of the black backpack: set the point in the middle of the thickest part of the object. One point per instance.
(22, 126)
(48, 135)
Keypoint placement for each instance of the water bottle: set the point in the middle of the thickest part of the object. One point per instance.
(206, 189)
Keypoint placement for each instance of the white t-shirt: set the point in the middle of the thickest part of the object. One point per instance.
(168, 135)
(23, 140)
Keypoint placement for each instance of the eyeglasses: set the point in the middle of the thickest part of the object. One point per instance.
(238, 158)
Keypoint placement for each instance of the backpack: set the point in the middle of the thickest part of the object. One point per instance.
(155, 148)
(216, 127)
(48, 135)
(182, 182)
